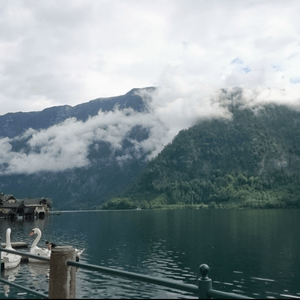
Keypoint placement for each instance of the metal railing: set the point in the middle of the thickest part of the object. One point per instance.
(62, 258)
(24, 254)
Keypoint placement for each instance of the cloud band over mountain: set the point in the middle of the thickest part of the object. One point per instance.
(169, 109)
(66, 145)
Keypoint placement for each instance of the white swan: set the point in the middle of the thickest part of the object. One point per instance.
(10, 260)
(37, 250)
(78, 252)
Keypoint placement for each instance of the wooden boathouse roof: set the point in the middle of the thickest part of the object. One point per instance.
(5, 198)
(37, 201)
(5, 203)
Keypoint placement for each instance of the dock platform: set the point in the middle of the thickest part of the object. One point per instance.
(16, 245)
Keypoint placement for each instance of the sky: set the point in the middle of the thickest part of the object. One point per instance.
(72, 51)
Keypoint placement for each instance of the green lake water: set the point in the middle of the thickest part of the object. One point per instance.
(251, 252)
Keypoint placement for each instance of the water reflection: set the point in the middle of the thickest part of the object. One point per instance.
(10, 275)
(22, 228)
(251, 252)
(39, 271)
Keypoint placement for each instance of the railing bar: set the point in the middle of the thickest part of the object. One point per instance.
(146, 278)
(224, 295)
(24, 289)
(26, 254)
(159, 281)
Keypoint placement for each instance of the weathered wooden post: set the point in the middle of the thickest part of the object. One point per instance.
(62, 282)
(1, 264)
(204, 282)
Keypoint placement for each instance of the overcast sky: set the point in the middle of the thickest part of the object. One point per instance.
(72, 51)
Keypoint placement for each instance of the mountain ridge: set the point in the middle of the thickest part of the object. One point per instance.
(254, 156)
(82, 187)
(249, 152)
(12, 124)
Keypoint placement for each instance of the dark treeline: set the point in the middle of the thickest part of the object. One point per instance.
(250, 160)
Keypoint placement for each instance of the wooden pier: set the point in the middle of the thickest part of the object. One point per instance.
(17, 245)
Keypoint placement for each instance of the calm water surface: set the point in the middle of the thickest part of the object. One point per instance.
(251, 252)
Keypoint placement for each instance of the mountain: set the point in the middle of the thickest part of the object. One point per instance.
(252, 157)
(13, 124)
(99, 152)
(104, 171)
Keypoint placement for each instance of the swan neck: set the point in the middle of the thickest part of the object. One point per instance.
(37, 239)
(7, 242)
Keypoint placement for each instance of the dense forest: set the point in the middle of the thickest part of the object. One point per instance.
(249, 160)
(77, 187)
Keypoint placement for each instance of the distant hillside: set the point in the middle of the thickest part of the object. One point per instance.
(81, 158)
(253, 158)
(77, 187)
(13, 124)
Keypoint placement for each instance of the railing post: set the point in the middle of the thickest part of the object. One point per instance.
(204, 282)
(1, 264)
(62, 281)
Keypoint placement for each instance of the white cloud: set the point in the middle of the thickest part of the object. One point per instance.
(176, 106)
(67, 145)
(68, 52)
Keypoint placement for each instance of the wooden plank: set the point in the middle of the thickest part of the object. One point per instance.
(16, 245)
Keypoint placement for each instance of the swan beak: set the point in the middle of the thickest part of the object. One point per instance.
(31, 233)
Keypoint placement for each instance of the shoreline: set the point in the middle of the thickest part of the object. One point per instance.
(173, 207)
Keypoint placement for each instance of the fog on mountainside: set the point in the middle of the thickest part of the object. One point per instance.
(81, 156)
(249, 160)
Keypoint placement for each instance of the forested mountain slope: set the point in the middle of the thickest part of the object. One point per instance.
(84, 155)
(252, 157)
(56, 132)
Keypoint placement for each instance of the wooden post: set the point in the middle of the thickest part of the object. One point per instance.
(62, 282)
(1, 263)
(204, 282)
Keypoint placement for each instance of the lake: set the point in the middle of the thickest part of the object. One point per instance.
(251, 252)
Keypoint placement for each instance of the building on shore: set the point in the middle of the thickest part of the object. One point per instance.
(10, 207)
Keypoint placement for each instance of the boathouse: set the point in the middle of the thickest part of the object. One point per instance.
(40, 207)
(12, 210)
(10, 207)
(7, 199)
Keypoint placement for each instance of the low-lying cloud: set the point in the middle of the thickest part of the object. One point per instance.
(177, 104)
(66, 145)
